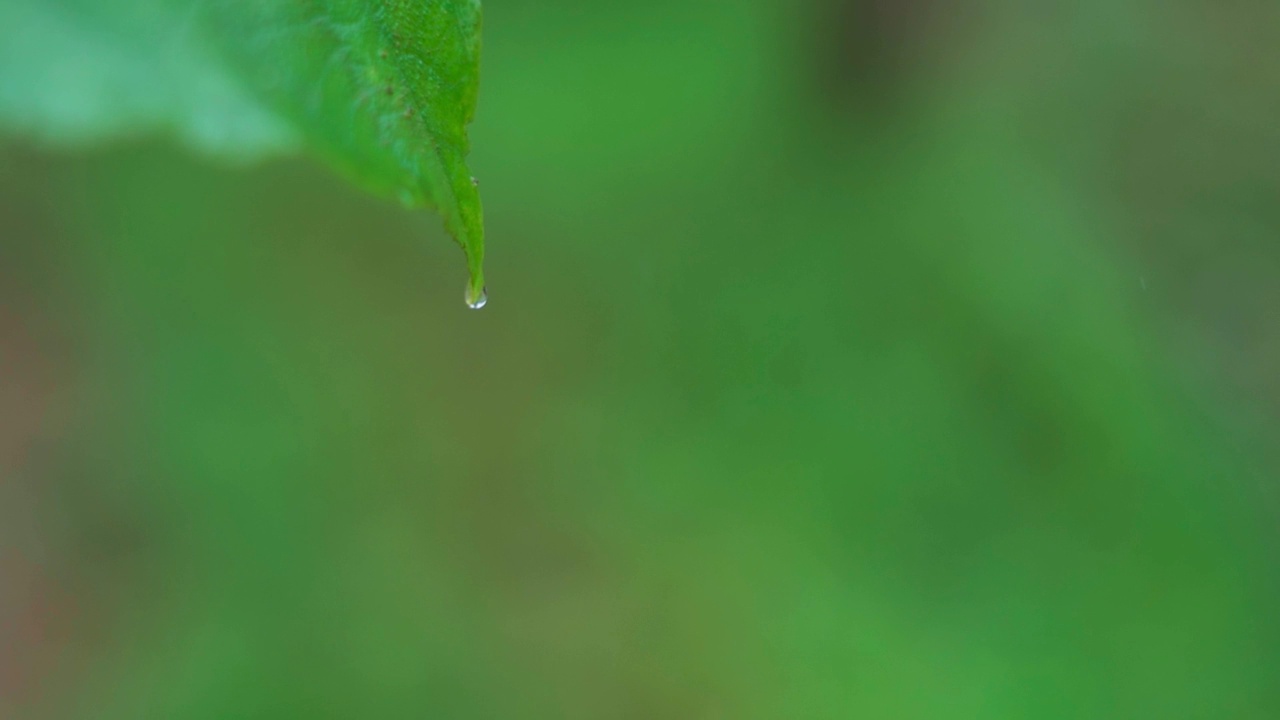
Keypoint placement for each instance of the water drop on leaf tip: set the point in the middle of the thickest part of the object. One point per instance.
(475, 302)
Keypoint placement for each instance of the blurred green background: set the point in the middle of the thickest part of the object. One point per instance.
(844, 359)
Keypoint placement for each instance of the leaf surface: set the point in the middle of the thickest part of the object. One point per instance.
(382, 90)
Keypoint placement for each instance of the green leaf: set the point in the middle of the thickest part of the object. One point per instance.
(383, 90)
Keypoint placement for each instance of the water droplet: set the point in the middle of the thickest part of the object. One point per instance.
(475, 182)
(475, 302)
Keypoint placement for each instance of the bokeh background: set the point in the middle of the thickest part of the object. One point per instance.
(845, 359)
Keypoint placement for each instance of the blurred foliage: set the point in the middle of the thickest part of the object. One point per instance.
(847, 358)
(384, 90)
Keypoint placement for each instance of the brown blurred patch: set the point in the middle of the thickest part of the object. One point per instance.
(868, 51)
(32, 605)
(25, 390)
(27, 595)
